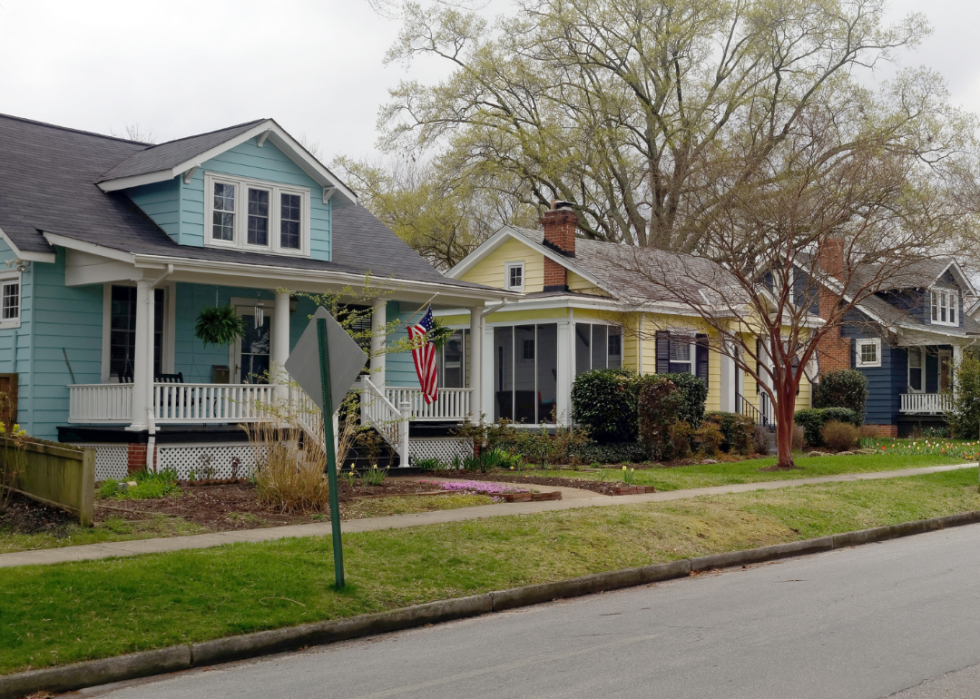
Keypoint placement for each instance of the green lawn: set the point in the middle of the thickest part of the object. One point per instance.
(70, 612)
(706, 475)
(112, 529)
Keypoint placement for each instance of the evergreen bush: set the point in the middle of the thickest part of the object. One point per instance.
(736, 431)
(812, 421)
(604, 400)
(844, 388)
(964, 418)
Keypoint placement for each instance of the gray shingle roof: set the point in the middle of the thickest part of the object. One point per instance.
(171, 154)
(47, 183)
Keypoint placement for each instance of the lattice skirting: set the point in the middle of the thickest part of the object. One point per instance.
(443, 448)
(233, 460)
(111, 460)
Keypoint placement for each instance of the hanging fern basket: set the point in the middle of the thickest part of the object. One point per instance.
(219, 325)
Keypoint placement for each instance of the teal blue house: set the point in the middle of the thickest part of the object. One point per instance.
(111, 248)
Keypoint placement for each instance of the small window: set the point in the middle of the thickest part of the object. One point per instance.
(10, 302)
(915, 369)
(515, 276)
(223, 217)
(869, 353)
(528, 350)
(945, 307)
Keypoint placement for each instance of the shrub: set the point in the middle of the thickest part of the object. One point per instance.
(537, 446)
(605, 401)
(736, 431)
(844, 388)
(621, 453)
(694, 394)
(812, 421)
(429, 465)
(964, 418)
(681, 436)
(709, 436)
(659, 409)
(839, 436)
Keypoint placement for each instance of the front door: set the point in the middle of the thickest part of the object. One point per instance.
(945, 370)
(253, 352)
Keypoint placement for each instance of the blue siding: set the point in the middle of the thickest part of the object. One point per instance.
(912, 301)
(15, 343)
(178, 208)
(399, 366)
(67, 320)
(160, 201)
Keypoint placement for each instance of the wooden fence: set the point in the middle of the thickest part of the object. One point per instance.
(56, 475)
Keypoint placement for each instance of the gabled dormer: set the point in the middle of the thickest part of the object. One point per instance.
(250, 187)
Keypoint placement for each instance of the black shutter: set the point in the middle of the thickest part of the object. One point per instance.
(663, 352)
(701, 357)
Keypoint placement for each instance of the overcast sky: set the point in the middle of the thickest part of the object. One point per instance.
(188, 66)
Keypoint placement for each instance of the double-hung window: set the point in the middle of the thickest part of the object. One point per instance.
(680, 355)
(945, 304)
(257, 216)
(916, 364)
(868, 353)
(10, 300)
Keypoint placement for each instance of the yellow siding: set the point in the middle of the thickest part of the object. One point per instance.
(803, 398)
(490, 270)
(544, 314)
(581, 285)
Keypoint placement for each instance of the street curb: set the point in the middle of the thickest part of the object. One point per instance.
(184, 657)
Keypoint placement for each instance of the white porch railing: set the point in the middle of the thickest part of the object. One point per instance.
(926, 403)
(100, 402)
(450, 405)
(202, 403)
(383, 415)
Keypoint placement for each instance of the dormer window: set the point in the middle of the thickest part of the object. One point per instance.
(256, 216)
(945, 307)
(515, 276)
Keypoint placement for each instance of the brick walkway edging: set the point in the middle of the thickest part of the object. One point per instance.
(185, 657)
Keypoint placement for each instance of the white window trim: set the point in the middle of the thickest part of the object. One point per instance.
(678, 335)
(507, 268)
(858, 344)
(952, 306)
(169, 327)
(10, 278)
(240, 240)
(922, 368)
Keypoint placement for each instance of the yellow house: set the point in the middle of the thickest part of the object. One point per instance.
(577, 313)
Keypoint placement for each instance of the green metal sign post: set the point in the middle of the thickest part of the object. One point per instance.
(338, 548)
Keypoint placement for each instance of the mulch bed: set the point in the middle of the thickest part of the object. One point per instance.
(26, 516)
(605, 488)
(231, 507)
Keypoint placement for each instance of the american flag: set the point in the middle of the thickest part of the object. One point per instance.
(424, 354)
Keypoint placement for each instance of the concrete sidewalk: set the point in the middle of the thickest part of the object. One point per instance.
(200, 541)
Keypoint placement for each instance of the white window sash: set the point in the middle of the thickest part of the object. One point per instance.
(241, 216)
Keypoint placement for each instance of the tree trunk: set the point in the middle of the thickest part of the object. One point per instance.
(783, 411)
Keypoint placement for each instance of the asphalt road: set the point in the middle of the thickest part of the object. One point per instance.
(898, 618)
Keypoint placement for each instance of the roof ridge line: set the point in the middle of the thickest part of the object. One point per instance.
(49, 125)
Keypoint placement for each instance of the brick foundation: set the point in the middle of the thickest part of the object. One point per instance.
(136, 460)
(880, 430)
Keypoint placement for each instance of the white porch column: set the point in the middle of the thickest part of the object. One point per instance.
(487, 396)
(142, 356)
(379, 321)
(476, 362)
(280, 341)
(566, 372)
(727, 380)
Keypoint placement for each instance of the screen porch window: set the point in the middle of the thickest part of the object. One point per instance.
(223, 214)
(525, 364)
(598, 347)
(10, 301)
(451, 360)
(122, 332)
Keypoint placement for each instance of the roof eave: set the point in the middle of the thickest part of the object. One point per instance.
(26, 255)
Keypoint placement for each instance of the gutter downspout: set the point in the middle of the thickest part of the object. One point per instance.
(151, 440)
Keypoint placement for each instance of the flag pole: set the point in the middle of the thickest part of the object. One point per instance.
(329, 449)
(409, 320)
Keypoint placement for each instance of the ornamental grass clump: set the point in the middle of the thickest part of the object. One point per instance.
(840, 436)
(288, 478)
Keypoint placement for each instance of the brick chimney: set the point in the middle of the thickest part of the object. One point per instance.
(834, 351)
(560, 223)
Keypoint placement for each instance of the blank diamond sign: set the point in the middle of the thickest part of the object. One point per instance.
(346, 361)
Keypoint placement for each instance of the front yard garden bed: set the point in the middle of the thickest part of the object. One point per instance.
(64, 613)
